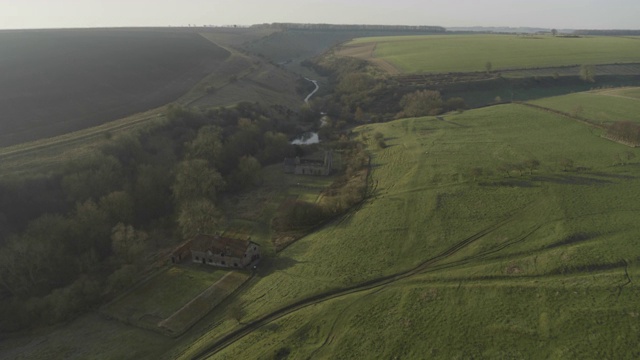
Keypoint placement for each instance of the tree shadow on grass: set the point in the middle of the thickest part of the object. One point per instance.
(613, 176)
(560, 179)
(269, 265)
(571, 179)
(573, 239)
(513, 182)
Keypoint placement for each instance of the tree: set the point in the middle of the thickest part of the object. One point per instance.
(532, 164)
(207, 145)
(360, 116)
(276, 147)
(625, 131)
(127, 242)
(577, 111)
(195, 179)
(122, 278)
(198, 217)
(476, 172)
(248, 173)
(488, 66)
(152, 192)
(588, 73)
(554, 32)
(90, 229)
(92, 178)
(456, 103)
(566, 164)
(119, 206)
(421, 103)
(505, 168)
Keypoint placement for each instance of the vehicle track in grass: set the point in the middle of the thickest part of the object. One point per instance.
(230, 338)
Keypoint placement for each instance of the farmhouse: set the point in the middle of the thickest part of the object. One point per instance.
(309, 166)
(224, 252)
(217, 251)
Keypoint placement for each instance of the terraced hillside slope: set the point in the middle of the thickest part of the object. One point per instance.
(471, 53)
(505, 231)
(601, 107)
(57, 81)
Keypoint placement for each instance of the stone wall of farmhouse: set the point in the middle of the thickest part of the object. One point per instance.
(253, 253)
(216, 260)
(208, 258)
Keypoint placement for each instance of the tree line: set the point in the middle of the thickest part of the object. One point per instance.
(71, 238)
(364, 93)
(345, 27)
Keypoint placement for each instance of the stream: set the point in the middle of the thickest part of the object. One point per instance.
(315, 82)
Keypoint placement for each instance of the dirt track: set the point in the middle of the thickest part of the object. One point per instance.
(428, 264)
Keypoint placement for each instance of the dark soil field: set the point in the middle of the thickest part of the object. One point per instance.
(56, 81)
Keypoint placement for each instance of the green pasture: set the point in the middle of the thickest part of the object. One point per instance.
(524, 318)
(601, 106)
(165, 294)
(464, 53)
(541, 275)
(632, 92)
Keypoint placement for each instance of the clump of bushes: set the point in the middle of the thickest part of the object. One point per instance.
(625, 131)
(428, 102)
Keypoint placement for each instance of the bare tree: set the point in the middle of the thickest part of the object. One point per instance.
(488, 66)
(567, 164)
(476, 172)
(588, 73)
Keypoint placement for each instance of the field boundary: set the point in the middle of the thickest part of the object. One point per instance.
(563, 114)
(202, 298)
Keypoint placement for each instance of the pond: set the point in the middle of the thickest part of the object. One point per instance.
(307, 138)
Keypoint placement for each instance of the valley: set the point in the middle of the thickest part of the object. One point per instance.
(470, 210)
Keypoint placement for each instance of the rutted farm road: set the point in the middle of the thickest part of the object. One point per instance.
(248, 328)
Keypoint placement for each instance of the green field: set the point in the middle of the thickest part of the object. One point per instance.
(163, 295)
(600, 106)
(465, 53)
(83, 78)
(176, 298)
(539, 262)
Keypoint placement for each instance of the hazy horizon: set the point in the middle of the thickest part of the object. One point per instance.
(569, 14)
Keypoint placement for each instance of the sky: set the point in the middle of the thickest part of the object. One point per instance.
(561, 14)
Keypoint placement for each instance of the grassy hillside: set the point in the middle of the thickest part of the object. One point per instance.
(525, 263)
(464, 53)
(601, 106)
(57, 81)
(452, 256)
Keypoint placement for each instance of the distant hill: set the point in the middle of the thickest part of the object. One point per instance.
(505, 29)
(300, 41)
(56, 81)
(608, 32)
